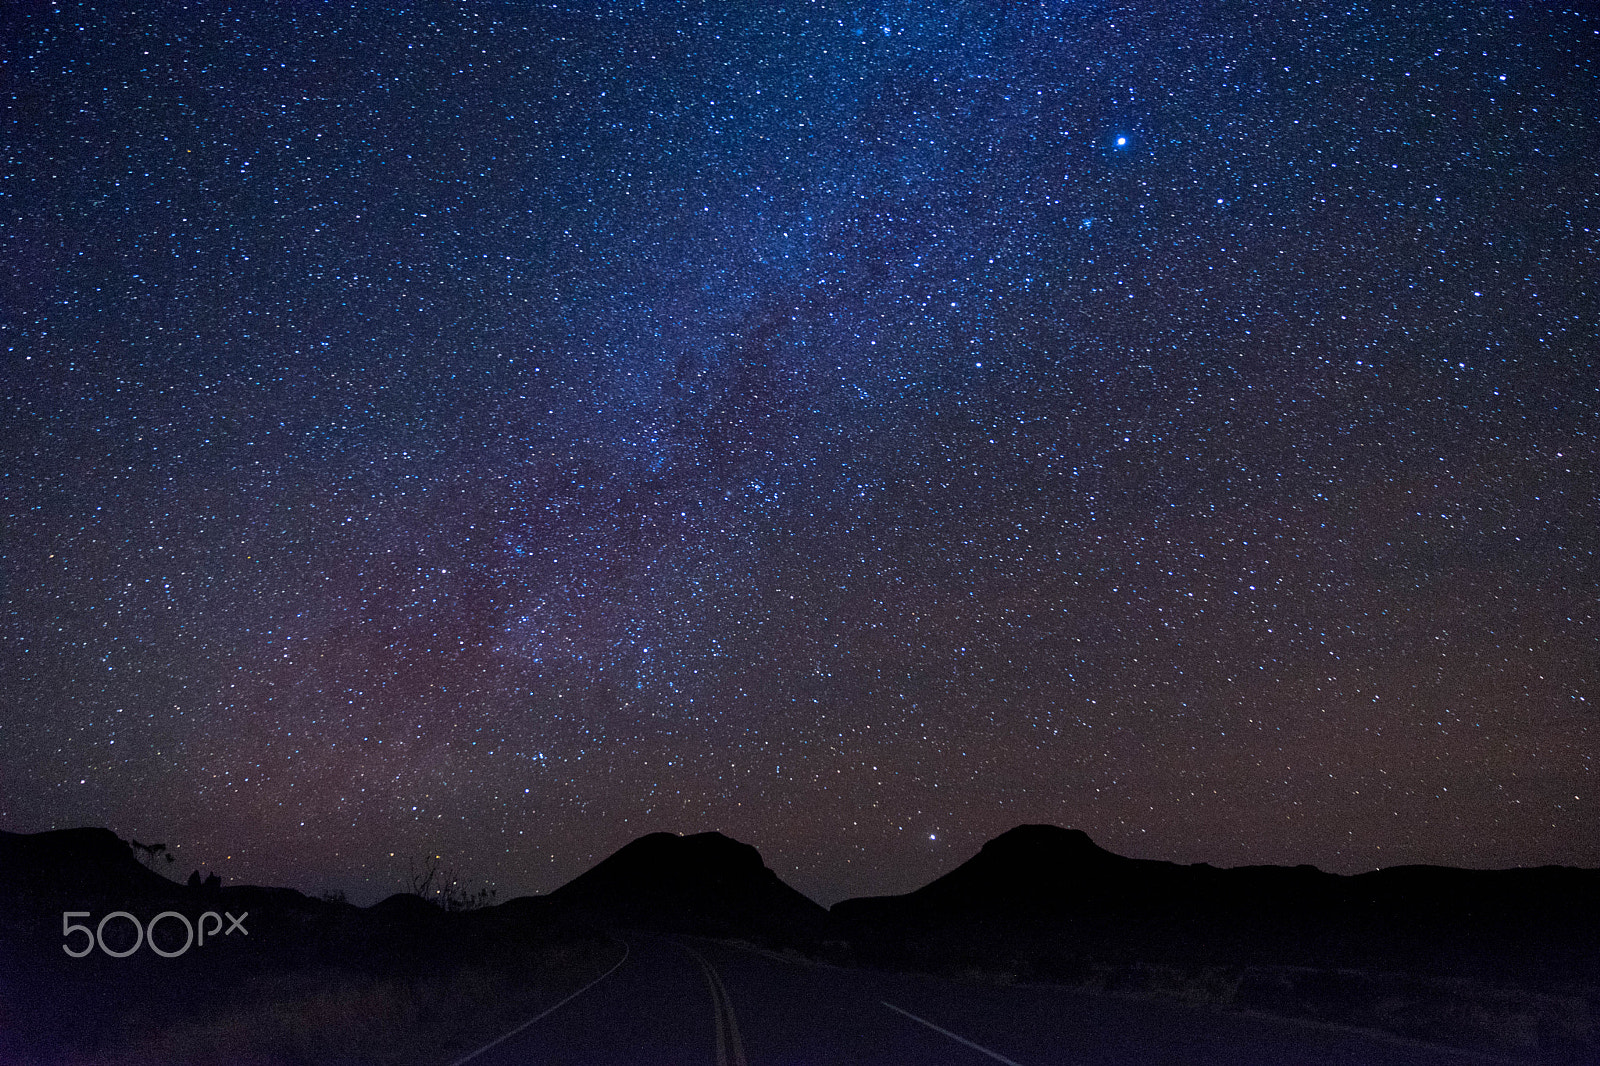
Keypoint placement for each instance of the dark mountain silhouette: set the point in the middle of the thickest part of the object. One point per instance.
(706, 883)
(1046, 900)
(85, 858)
(1037, 899)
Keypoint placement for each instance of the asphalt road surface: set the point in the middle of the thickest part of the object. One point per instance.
(683, 1000)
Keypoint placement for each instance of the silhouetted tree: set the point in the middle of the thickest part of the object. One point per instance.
(443, 888)
(151, 855)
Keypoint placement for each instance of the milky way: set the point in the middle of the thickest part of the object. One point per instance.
(498, 430)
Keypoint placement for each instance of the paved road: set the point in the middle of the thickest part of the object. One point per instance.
(700, 1003)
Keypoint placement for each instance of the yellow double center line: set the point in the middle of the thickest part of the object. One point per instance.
(730, 1050)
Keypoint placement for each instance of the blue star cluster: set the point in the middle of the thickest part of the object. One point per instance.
(500, 429)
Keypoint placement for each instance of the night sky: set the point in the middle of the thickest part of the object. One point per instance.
(499, 430)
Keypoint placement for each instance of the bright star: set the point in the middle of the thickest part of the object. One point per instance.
(1121, 141)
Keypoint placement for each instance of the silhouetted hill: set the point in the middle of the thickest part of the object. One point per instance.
(1033, 865)
(706, 883)
(1047, 900)
(84, 860)
(69, 854)
(406, 906)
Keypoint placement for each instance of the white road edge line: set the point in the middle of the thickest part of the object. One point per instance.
(547, 1011)
(945, 1032)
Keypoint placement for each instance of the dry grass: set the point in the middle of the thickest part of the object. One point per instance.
(332, 1017)
(1459, 1013)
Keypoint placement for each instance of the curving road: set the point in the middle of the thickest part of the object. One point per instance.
(702, 1003)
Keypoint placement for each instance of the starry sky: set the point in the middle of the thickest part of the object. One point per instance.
(502, 429)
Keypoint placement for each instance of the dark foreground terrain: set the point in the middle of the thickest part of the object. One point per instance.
(299, 980)
(1041, 949)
